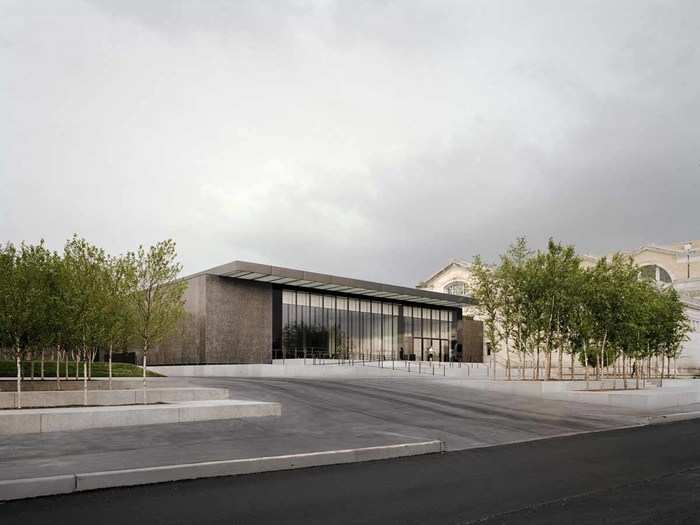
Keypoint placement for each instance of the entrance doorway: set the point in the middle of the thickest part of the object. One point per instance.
(418, 349)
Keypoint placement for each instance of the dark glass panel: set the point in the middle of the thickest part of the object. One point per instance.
(376, 330)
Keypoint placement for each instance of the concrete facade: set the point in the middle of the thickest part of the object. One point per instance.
(238, 321)
(472, 338)
(227, 321)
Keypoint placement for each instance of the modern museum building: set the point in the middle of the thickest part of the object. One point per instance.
(244, 312)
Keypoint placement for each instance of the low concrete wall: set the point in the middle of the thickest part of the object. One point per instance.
(35, 420)
(674, 393)
(639, 399)
(25, 488)
(295, 368)
(55, 398)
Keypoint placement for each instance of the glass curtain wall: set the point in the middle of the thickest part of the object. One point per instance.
(334, 326)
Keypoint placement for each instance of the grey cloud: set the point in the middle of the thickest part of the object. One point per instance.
(374, 139)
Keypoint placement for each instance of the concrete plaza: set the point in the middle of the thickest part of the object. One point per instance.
(316, 415)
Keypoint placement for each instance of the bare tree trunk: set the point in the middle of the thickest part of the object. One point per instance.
(144, 378)
(58, 369)
(85, 380)
(110, 366)
(561, 363)
(18, 362)
(624, 372)
(77, 366)
(661, 381)
(42, 364)
(572, 363)
(31, 365)
(602, 359)
(508, 360)
(585, 362)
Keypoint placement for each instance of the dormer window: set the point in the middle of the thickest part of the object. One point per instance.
(456, 288)
(655, 273)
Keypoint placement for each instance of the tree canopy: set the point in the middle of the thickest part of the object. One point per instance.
(84, 300)
(543, 303)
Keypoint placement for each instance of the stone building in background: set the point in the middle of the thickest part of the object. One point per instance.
(676, 265)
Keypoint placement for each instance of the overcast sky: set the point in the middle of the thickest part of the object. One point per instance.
(370, 139)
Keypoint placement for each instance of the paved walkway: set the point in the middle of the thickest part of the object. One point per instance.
(317, 415)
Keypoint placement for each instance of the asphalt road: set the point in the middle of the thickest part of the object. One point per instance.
(643, 475)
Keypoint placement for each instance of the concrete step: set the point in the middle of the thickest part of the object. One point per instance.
(34, 420)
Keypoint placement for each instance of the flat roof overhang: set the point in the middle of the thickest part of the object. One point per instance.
(332, 283)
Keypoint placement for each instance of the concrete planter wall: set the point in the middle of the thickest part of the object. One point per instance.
(37, 399)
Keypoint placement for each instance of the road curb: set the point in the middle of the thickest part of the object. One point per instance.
(33, 487)
(672, 418)
(66, 484)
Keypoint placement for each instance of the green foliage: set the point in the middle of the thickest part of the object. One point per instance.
(159, 300)
(547, 301)
(25, 274)
(84, 300)
(487, 292)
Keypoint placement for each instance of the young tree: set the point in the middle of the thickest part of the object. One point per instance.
(510, 273)
(673, 327)
(486, 291)
(159, 301)
(23, 300)
(120, 286)
(9, 301)
(85, 266)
